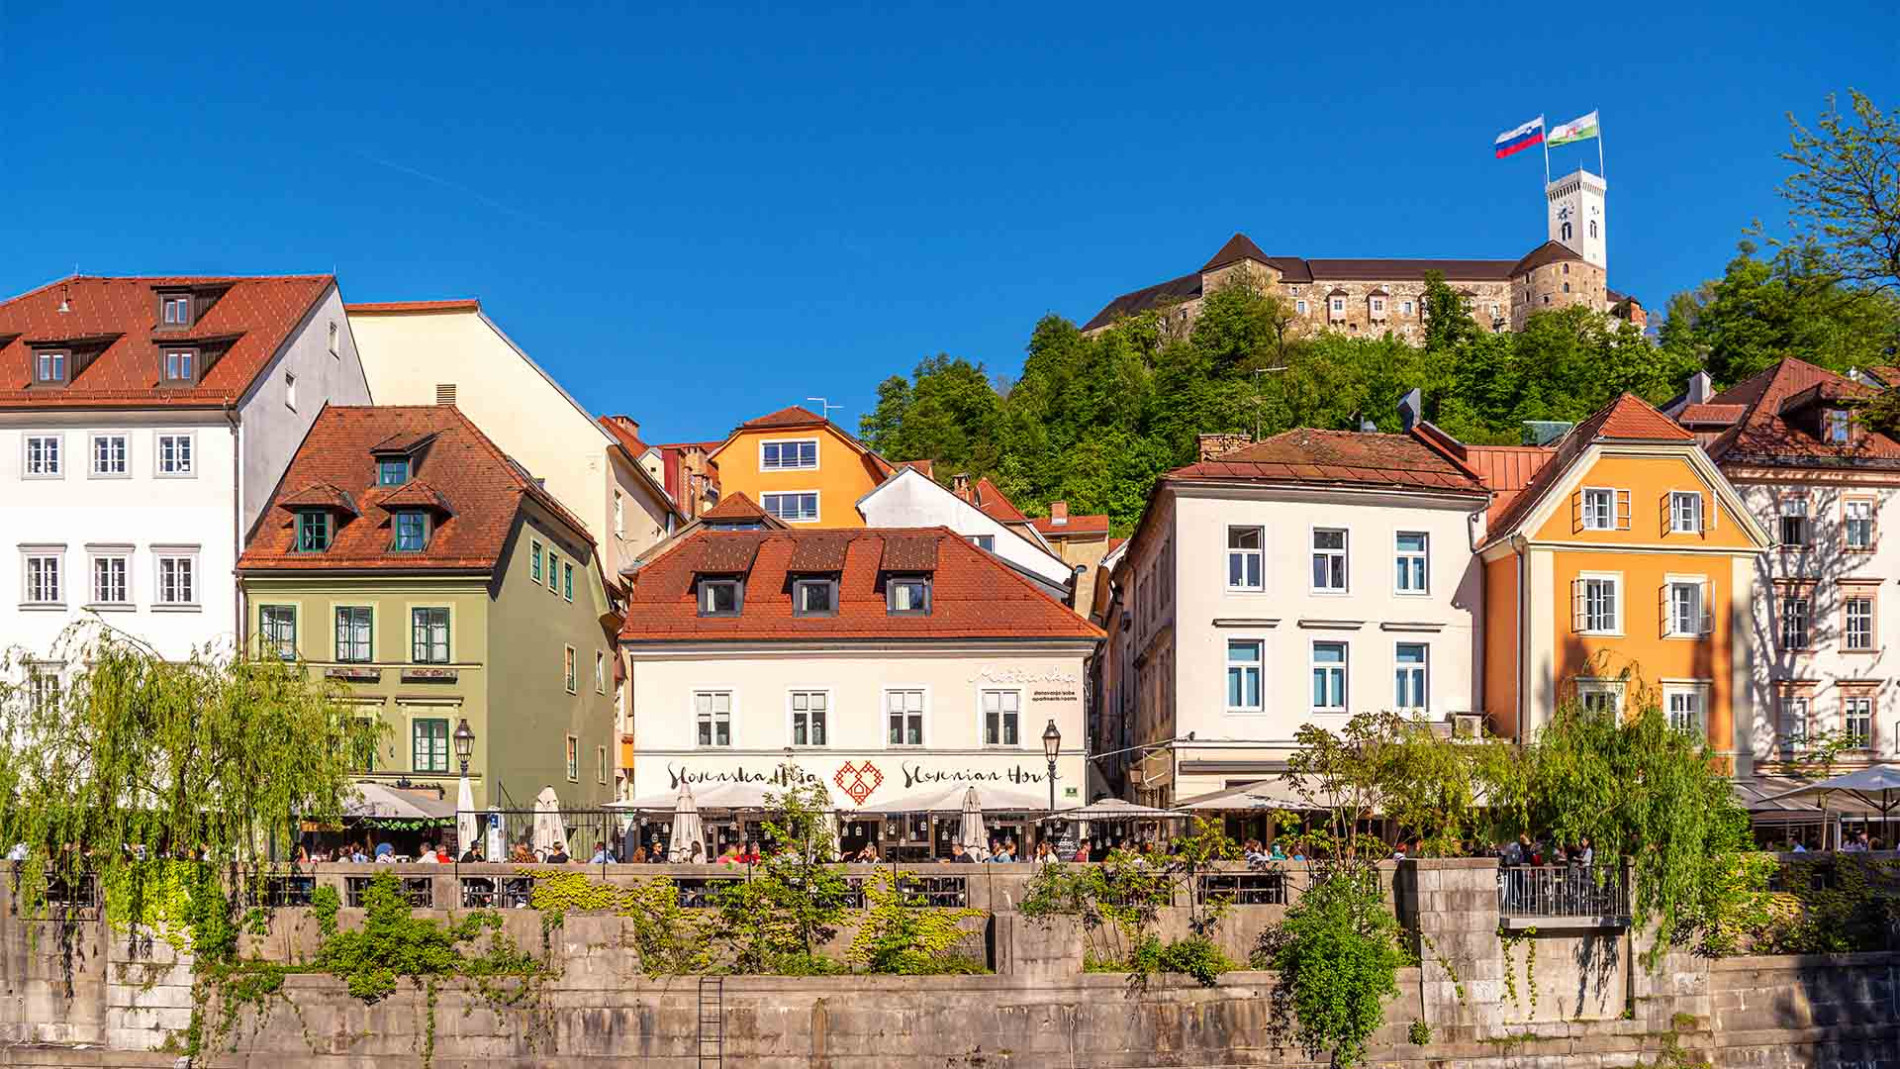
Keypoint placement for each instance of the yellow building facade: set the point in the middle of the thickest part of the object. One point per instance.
(800, 467)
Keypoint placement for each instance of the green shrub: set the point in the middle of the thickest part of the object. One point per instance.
(1338, 955)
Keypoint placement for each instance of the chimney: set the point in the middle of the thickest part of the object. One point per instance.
(632, 427)
(1701, 388)
(960, 484)
(1411, 410)
(1214, 446)
(1058, 513)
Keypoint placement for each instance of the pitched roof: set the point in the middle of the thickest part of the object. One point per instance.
(1092, 524)
(791, 416)
(460, 304)
(475, 513)
(991, 502)
(1780, 423)
(111, 325)
(1550, 252)
(1239, 247)
(624, 432)
(1629, 418)
(1337, 458)
(973, 595)
(1507, 470)
(1708, 413)
(735, 506)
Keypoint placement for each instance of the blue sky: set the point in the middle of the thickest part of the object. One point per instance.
(700, 213)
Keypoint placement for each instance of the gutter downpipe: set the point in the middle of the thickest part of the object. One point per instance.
(237, 524)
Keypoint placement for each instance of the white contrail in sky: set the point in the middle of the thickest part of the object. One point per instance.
(456, 186)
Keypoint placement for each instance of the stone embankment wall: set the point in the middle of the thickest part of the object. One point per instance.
(1595, 1005)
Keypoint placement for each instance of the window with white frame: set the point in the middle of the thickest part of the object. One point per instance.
(46, 691)
(1794, 522)
(798, 454)
(600, 672)
(1599, 509)
(1796, 613)
(1793, 733)
(1406, 307)
(620, 513)
(42, 576)
(573, 759)
(429, 635)
(277, 629)
(800, 507)
(43, 459)
(1857, 523)
(175, 455)
(1685, 512)
(1688, 613)
(600, 764)
(111, 574)
(1329, 677)
(1600, 696)
(1300, 307)
(355, 632)
(175, 310)
(712, 717)
(176, 578)
(1687, 707)
(1840, 426)
(1329, 559)
(810, 709)
(1412, 562)
(290, 391)
(570, 670)
(1002, 717)
(1244, 665)
(1597, 604)
(904, 716)
(1857, 634)
(1246, 560)
(110, 456)
(1410, 676)
(1857, 719)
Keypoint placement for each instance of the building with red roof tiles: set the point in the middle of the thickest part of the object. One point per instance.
(912, 499)
(144, 423)
(449, 352)
(1295, 580)
(1823, 483)
(800, 467)
(900, 667)
(1079, 541)
(405, 555)
(1619, 568)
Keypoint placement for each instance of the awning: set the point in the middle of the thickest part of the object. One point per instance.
(1867, 790)
(382, 802)
(1275, 793)
(949, 799)
(1115, 809)
(727, 796)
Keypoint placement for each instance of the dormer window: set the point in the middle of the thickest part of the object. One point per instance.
(907, 595)
(814, 597)
(412, 531)
(721, 597)
(392, 471)
(181, 366)
(1838, 426)
(174, 309)
(51, 367)
(315, 529)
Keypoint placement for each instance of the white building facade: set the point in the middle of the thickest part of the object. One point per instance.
(912, 499)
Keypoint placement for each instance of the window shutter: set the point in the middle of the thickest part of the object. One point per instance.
(1622, 510)
(1668, 511)
(1576, 512)
(1667, 613)
(1577, 606)
(1710, 510)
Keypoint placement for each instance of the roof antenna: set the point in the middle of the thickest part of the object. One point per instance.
(825, 407)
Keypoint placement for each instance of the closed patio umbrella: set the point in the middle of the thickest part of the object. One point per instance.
(970, 831)
(548, 829)
(466, 819)
(687, 827)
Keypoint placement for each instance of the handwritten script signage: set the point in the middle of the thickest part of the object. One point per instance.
(1017, 676)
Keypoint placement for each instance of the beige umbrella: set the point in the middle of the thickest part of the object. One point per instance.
(466, 819)
(548, 829)
(687, 827)
(970, 831)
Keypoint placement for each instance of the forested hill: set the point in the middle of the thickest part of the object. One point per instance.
(1095, 420)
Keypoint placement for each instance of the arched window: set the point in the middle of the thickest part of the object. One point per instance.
(1566, 232)
(1593, 228)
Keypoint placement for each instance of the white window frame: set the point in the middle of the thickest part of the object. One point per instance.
(1259, 667)
(1783, 602)
(817, 505)
(54, 553)
(791, 717)
(290, 390)
(1848, 520)
(1581, 617)
(712, 714)
(94, 555)
(93, 441)
(1300, 307)
(1790, 507)
(1837, 419)
(983, 719)
(1848, 596)
(571, 758)
(1344, 553)
(1258, 555)
(1693, 498)
(1343, 668)
(1401, 557)
(1583, 507)
(1593, 686)
(189, 554)
(884, 716)
(1703, 621)
(1791, 742)
(1698, 694)
(781, 443)
(190, 468)
(1849, 698)
(570, 668)
(57, 468)
(600, 671)
(1422, 669)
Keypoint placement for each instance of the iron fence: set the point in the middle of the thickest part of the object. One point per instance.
(418, 891)
(1563, 891)
(1246, 888)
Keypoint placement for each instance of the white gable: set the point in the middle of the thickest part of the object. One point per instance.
(910, 499)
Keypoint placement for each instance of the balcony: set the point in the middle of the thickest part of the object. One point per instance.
(1564, 896)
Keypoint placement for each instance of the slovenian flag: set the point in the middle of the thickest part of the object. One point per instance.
(1569, 133)
(1529, 135)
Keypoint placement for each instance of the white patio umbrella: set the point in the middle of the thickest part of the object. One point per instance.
(970, 831)
(467, 821)
(1876, 787)
(687, 827)
(548, 829)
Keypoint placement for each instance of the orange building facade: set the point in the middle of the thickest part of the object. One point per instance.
(1620, 573)
(800, 467)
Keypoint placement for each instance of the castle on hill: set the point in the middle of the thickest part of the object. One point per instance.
(1374, 296)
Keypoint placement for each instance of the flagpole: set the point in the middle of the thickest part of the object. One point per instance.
(1545, 141)
(1600, 173)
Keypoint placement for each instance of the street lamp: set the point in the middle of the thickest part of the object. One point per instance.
(1051, 746)
(464, 743)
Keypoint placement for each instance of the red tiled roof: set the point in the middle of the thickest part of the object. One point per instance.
(1507, 470)
(973, 595)
(320, 496)
(486, 492)
(926, 468)
(1340, 458)
(991, 502)
(793, 416)
(1628, 418)
(1708, 413)
(1781, 422)
(1077, 525)
(734, 506)
(246, 324)
(461, 304)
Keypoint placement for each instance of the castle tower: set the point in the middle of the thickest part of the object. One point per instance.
(1576, 216)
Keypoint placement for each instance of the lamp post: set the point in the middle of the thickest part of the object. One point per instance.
(1051, 746)
(464, 744)
(465, 818)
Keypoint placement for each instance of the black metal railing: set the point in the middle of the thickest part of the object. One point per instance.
(1563, 891)
(1246, 888)
(497, 892)
(419, 891)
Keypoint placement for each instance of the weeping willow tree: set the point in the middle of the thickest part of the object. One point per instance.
(163, 778)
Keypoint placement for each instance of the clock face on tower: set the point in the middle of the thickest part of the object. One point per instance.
(1563, 212)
